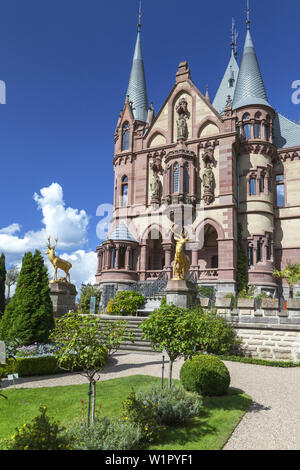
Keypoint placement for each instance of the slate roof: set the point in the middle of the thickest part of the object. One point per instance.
(227, 86)
(286, 132)
(137, 89)
(122, 233)
(250, 89)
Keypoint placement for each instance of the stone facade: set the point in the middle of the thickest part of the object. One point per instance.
(209, 170)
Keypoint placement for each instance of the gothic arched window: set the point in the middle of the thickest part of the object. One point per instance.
(247, 126)
(176, 178)
(124, 191)
(125, 136)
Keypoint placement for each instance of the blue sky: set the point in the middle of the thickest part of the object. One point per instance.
(66, 66)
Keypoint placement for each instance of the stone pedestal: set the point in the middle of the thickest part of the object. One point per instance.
(63, 296)
(180, 293)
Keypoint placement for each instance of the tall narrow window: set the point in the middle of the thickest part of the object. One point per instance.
(252, 186)
(259, 252)
(124, 191)
(256, 131)
(262, 184)
(266, 132)
(250, 256)
(125, 136)
(280, 190)
(113, 258)
(176, 178)
(122, 252)
(186, 178)
(269, 249)
(247, 126)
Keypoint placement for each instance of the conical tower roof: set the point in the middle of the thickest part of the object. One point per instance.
(137, 90)
(250, 89)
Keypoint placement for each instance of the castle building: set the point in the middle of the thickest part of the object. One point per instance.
(231, 166)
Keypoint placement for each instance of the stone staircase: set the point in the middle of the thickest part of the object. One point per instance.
(139, 344)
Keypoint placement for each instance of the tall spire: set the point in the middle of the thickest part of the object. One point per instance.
(228, 83)
(250, 89)
(248, 16)
(137, 90)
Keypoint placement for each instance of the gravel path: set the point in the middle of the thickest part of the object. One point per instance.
(272, 422)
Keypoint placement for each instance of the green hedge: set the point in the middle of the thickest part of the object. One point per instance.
(258, 362)
(30, 366)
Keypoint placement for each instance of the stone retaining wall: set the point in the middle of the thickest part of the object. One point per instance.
(267, 332)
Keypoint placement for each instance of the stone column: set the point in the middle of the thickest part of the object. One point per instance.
(127, 258)
(143, 261)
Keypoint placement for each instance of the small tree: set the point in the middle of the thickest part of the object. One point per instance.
(88, 291)
(11, 279)
(2, 283)
(83, 345)
(174, 330)
(29, 315)
(291, 273)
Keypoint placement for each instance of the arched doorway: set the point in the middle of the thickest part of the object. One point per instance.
(209, 252)
(156, 255)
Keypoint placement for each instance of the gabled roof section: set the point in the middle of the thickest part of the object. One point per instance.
(286, 132)
(228, 85)
(250, 89)
(137, 89)
(122, 233)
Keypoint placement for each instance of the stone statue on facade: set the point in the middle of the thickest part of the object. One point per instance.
(208, 178)
(155, 187)
(183, 115)
(208, 184)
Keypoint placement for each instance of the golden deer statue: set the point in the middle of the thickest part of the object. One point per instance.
(58, 263)
(181, 262)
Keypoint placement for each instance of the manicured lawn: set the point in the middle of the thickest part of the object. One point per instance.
(210, 431)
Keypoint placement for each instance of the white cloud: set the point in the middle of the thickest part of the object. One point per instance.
(11, 229)
(67, 224)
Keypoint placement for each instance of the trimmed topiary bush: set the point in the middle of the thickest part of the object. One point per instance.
(206, 375)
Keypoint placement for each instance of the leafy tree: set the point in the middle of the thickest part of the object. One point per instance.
(83, 344)
(173, 329)
(88, 291)
(29, 315)
(2, 283)
(11, 279)
(291, 273)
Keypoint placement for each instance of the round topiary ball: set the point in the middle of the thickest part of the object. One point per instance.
(206, 375)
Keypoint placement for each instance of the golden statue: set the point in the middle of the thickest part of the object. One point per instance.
(58, 263)
(181, 262)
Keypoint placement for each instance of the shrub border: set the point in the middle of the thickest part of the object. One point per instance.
(259, 362)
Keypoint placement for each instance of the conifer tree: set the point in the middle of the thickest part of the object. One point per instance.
(29, 315)
(2, 284)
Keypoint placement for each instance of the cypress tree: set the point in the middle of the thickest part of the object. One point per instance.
(29, 315)
(2, 284)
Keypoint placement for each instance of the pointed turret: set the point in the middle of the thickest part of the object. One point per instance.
(228, 83)
(250, 89)
(137, 90)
